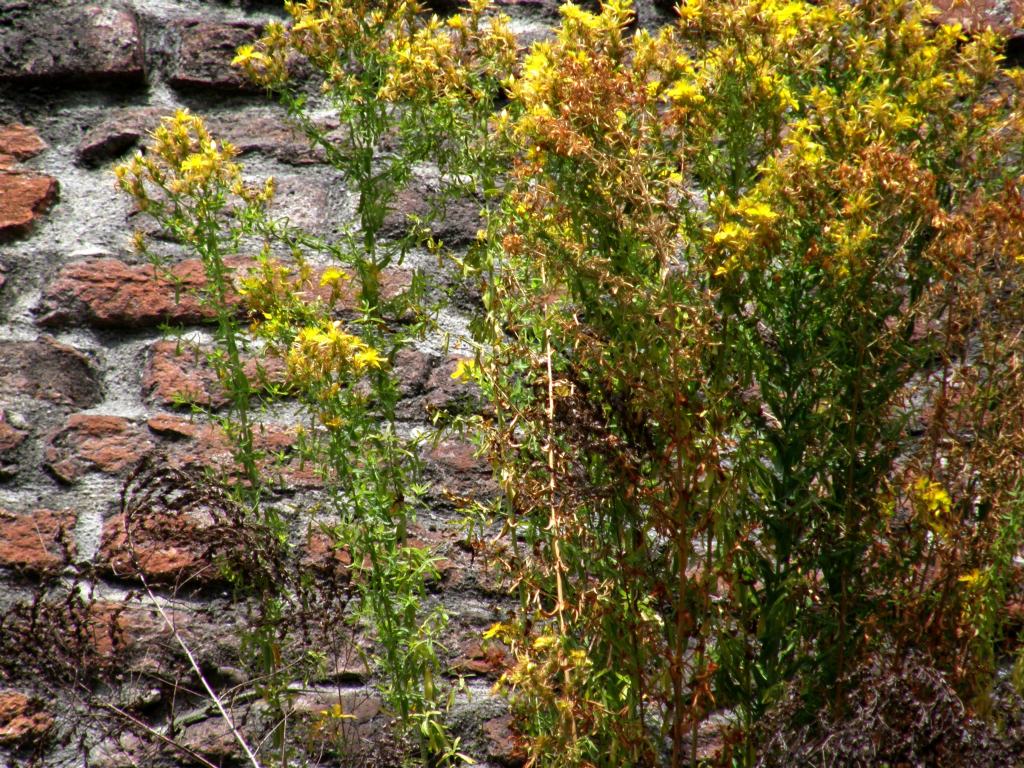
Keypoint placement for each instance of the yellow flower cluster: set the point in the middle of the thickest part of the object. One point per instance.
(447, 59)
(322, 353)
(747, 224)
(184, 160)
(933, 505)
(418, 57)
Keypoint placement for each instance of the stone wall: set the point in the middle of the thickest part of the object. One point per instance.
(89, 382)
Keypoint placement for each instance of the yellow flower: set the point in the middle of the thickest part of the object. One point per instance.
(758, 213)
(464, 370)
(971, 578)
(685, 92)
(368, 358)
(247, 54)
(334, 276)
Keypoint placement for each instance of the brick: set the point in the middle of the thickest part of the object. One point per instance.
(18, 142)
(135, 637)
(212, 738)
(503, 745)
(322, 555)
(268, 133)
(109, 293)
(21, 719)
(443, 393)
(412, 368)
(177, 373)
(205, 51)
(24, 198)
(459, 471)
(121, 131)
(488, 660)
(36, 542)
(253, 131)
(45, 369)
(976, 15)
(162, 547)
(95, 443)
(456, 225)
(90, 42)
(191, 444)
(11, 439)
(363, 705)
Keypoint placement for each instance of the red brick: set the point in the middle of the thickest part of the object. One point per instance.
(163, 547)
(24, 198)
(37, 542)
(459, 470)
(18, 142)
(322, 554)
(179, 373)
(109, 293)
(502, 743)
(205, 51)
(89, 43)
(10, 437)
(195, 444)
(21, 719)
(975, 15)
(412, 368)
(47, 370)
(136, 637)
(456, 225)
(95, 443)
(260, 131)
(476, 658)
(446, 393)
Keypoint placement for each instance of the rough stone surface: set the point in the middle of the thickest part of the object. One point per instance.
(110, 293)
(37, 542)
(459, 471)
(205, 51)
(501, 742)
(21, 720)
(164, 548)
(10, 437)
(445, 393)
(178, 374)
(86, 44)
(18, 142)
(24, 198)
(45, 369)
(456, 227)
(975, 15)
(261, 130)
(199, 445)
(86, 443)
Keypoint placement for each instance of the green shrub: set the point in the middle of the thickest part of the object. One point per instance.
(750, 340)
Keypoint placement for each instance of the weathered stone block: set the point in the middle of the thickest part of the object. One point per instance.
(205, 51)
(18, 142)
(44, 369)
(24, 198)
(87, 43)
(109, 293)
(21, 719)
(178, 373)
(95, 443)
(457, 220)
(37, 541)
